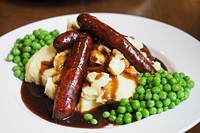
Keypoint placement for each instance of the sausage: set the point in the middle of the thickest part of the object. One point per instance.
(113, 39)
(64, 40)
(72, 78)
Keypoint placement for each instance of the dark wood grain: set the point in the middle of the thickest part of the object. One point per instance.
(183, 14)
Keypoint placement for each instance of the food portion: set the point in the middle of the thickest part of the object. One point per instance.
(95, 76)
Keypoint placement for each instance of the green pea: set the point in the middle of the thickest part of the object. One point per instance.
(17, 73)
(36, 32)
(172, 81)
(143, 104)
(25, 60)
(49, 41)
(129, 109)
(140, 89)
(88, 117)
(42, 43)
(156, 97)
(171, 105)
(149, 79)
(17, 59)
(112, 118)
(164, 81)
(26, 55)
(163, 95)
(16, 52)
(159, 110)
(148, 95)
(22, 76)
(177, 101)
(172, 96)
(135, 104)
(145, 113)
(127, 118)
(27, 49)
(186, 78)
(136, 96)
(106, 114)
(113, 112)
(186, 95)
(159, 104)
(142, 81)
(167, 87)
(180, 94)
(36, 45)
(152, 110)
(147, 74)
(156, 89)
(176, 87)
(166, 102)
(93, 121)
(138, 116)
(121, 109)
(190, 84)
(119, 120)
(165, 108)
(150, 103)
(124, 101)
(31, 37)
(10, 57)
(16, 67)
(27, 42)
(142, 97)
(140, 109)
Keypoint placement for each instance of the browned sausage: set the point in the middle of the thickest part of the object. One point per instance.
(113, 39)
(71, 81)
(64, 40)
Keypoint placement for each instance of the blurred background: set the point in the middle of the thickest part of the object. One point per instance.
(183, 14)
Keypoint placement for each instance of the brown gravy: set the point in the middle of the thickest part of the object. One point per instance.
(37, 102)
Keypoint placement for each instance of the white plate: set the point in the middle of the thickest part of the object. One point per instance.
(179, 50)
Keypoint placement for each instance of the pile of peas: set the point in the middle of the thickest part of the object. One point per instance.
(154, 94)
(26, 47)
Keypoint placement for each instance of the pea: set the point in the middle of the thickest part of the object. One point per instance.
(186, 95)
(119, 120)
(177, 101)
(152, 110)
(163, 95)
(106, 114)
(167, 87)
(159, 104)
(17, 73)
(140, 89)
(124, 101)
(93, 121)
(172, 96)
(10, 57)
(165, 108)
(135, 104)
(190, 84)
(145, 113)
(17, 59)
(150, 103)
(148, 96)
(127, 118)
(121, 109)
(172, 81)
(138, 116)
(176, 87)
(164, 81)
(88, 117)
(27, 42)
(129, 109)
(143, 104)
(166, 102)
(16, 52)
(171, 105)
(36, 45)
(112, 118)
(159, 110)
(142, 81)
(113, 112)
(156, 89)
(135, 96)
(156, 97)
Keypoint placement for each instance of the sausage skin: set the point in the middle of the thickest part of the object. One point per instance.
(113, 39)
(72, 78)
(64, 40)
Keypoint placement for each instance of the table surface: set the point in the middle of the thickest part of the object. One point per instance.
(183, 14)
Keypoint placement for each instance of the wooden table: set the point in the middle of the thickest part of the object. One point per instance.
(183, 14)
